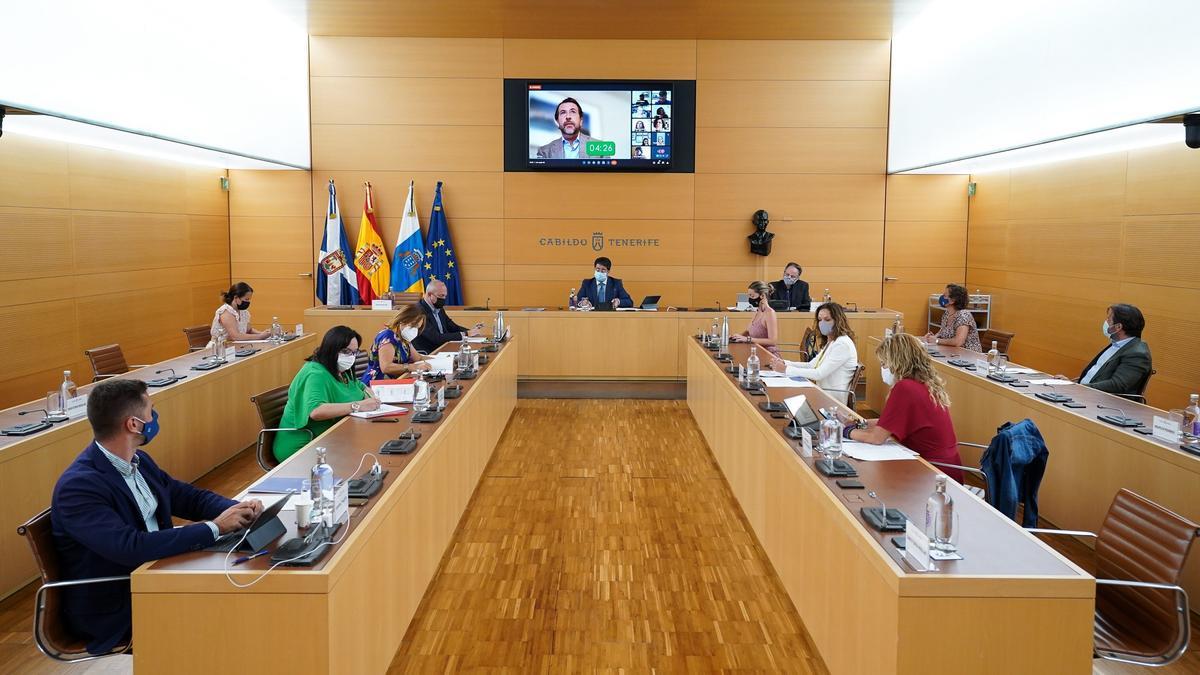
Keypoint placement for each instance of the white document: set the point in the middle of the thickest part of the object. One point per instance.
(251, 342)
(441, 363)
(1052, 382)
(1020, 370)
(783, 382)
(867, 452)
(476, 340)
(394, 393)
(384, 409)
(770, 373)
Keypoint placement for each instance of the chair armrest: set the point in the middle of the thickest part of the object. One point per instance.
(972, 445)
(82, 582)
(97, 378)
(135, 366)
(1073, 533)
(960, 467)
(1143, 584)
(1136, 398)
(307, 431)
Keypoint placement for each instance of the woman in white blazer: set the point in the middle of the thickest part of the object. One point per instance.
(837, 360)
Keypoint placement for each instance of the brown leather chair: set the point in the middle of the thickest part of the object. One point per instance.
(1002, 339)
(50, 632)
(360, 364)
(403, 298)
(108, 361)
(1141, 612)
(197, 337)
(269, 405)
(851, 393)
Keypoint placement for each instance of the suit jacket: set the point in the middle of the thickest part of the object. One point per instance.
(554, 149)
(99, 532)
(1125, 373)
(796, 296)
(613, 289)
(430, 337)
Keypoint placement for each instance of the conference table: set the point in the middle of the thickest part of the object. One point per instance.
(349, 612)
(599, 346)
(1011, 600)
(207, 418)
(1090, 460)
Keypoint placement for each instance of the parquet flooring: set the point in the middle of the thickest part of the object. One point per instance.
(602, 538)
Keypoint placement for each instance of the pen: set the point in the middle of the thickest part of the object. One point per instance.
(250, 557)
(384, 420)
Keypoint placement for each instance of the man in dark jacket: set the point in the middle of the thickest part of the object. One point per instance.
(439, 327)
(1123, 367)
(792, 289)
(111, 512)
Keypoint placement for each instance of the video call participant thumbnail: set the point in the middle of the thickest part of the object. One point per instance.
(568, 116)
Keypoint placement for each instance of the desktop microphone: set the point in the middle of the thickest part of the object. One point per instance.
(165, 370)
(487, 305)
(45, 413)
(770, 406)
(883, 509)
(1123, 421)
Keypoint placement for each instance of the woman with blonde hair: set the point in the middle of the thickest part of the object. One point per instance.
(833, 368)
(392, 354)
(917, 412)
(764, 328)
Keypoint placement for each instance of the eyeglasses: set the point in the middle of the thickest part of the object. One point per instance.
(349, 352)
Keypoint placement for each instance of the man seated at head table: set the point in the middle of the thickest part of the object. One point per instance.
(602, 289)
(439, 327)
(792, 289)
(1122, 367)
(112, 508)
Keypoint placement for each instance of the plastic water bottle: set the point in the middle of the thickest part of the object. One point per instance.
(831, 438)
(67, 391)
(939, 516)
(725, 331)
(498, 330)
(993, 357)
(276, 330)
(322, 490)
(421, 397)
(1191, 415)
(898, 326)
(752, 366)
(218, 353)
(571, 300)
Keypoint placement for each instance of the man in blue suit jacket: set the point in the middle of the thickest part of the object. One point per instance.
(112, 508)
(602, 289)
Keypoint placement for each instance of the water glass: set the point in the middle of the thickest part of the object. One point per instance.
(54, 404)
(947, 544)
(1001, 364)
(1177, 416)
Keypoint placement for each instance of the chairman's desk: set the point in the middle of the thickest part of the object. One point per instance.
(1013, 605)
(348, 613)
(562, 345)
(206, 419)
(1090, 460)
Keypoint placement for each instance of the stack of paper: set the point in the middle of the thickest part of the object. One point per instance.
(384, 410)
(876, 453)
(441, 363)
(394, 391)
(780, 382)
(1052, 382)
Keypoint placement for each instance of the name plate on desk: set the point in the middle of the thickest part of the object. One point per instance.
(230, 353)
(805, 443)
(381, 304)
(1166, 429)
(76, 407)
(916, 547)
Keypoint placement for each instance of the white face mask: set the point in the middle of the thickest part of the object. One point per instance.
(345, 362)
(789, 282)
(408, 333)
(886, 375)
(826, 327)
(601, 277)
(1107, 330)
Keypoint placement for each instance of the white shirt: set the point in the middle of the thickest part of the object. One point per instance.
(571, 148)
(832, 369)
(1103, 358)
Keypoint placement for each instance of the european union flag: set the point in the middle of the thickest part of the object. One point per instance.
(440, 262)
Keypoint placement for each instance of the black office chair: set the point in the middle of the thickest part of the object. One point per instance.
(1140, 396)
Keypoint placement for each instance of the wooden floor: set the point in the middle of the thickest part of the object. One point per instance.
(601, 538)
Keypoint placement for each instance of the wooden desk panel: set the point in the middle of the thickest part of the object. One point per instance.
(1089, 461)
(866, 610)
(349, 613)
(559, 345)
(206, 419)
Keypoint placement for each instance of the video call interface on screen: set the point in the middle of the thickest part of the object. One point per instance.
(599, 125)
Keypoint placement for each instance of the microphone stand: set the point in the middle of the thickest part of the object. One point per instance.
(1124, 420)
(770, 406)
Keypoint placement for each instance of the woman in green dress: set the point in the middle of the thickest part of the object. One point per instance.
(324, 391)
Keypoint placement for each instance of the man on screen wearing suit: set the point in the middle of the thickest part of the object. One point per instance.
(111, 512)
(602, 289)
(439, 327)
(568, 115)
(1124, 365)
(792, 289)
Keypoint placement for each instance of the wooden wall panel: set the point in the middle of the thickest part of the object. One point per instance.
(378, 114)
(98, 247)
(1079, 236)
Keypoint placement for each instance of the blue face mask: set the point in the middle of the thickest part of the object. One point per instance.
(601, 277)
(943, 301)
(149, 429)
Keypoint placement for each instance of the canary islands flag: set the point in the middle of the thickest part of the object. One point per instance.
(335, 277)
(370, 258)
(408, 261)
(440, 262)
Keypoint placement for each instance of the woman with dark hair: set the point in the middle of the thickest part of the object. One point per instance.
(834, 366)
(392, 354)
(661, 114)
(323, 391)
(958, 325)
(234, 315)
(764, 327)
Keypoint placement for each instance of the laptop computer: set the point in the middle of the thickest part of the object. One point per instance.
(743, 302)
(804, 416)
(264, 530)
(650, 302)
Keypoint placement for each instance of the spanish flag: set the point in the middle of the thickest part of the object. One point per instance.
(370, 260)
